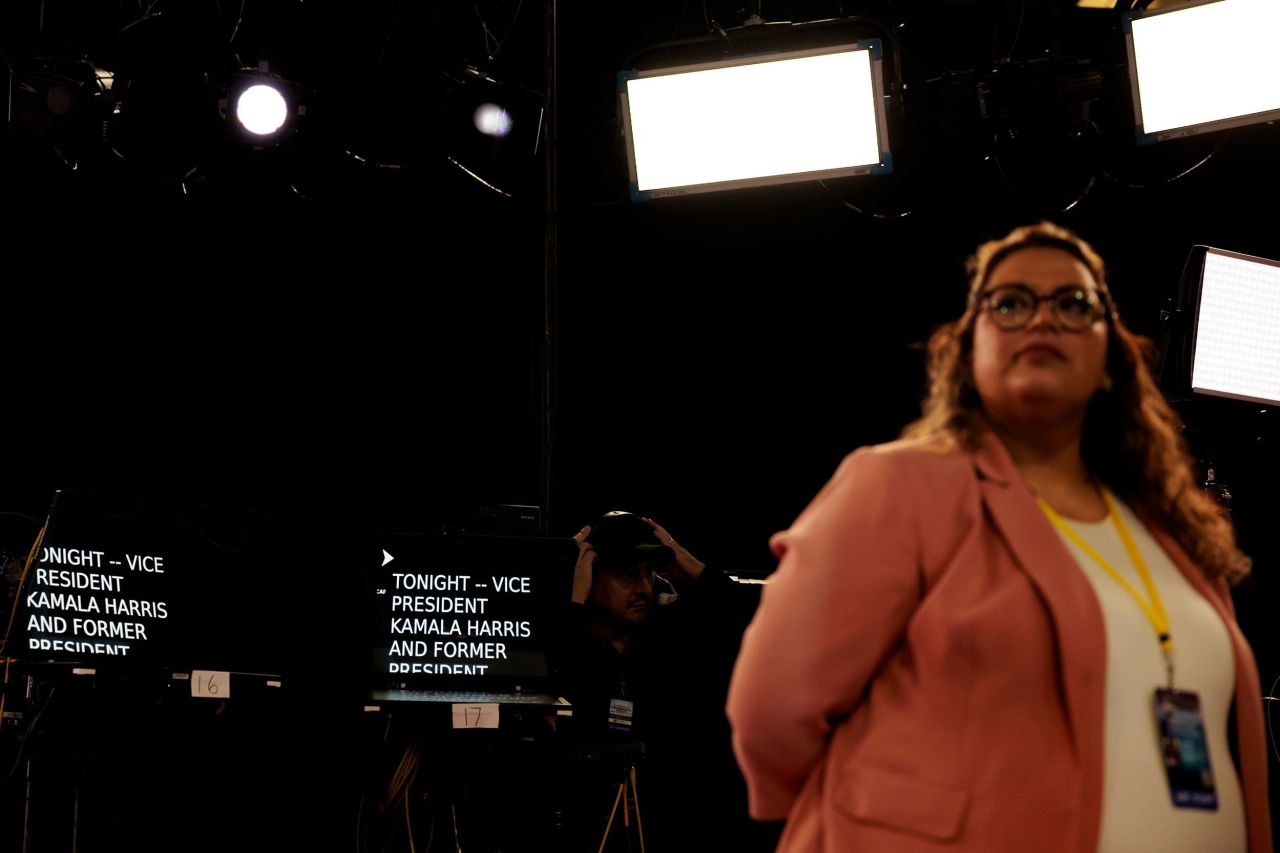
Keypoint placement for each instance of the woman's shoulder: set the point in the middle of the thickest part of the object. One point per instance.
(890, 486)
(912, 470)
(937, 451)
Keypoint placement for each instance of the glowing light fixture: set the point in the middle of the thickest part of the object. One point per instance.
(491, 129)
(1203, 66)
(493, 120)
(1236, 341)
(261, 109)
(776, 118)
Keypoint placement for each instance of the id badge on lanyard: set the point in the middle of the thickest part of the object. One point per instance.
(1185, 750)
(620, 713)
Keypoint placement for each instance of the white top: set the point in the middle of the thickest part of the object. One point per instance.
(1137, 810)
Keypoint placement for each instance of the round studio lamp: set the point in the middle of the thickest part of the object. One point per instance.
(64, 103)
(492, 120)
(261, 109)
(492, 131)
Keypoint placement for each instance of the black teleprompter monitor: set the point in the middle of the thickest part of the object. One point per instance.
(456, 618)
(125, 583)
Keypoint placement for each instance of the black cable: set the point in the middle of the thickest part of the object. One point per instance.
(26, 737)
(1011, 187)
(1130, 185)
(382, 54)
(858, 210)
(4, 57)
(1017, 33)
(1167, 358)
(1093, 179)
(371, 70)
(235, 31)
(231, 39)
(498, 43)
(478, 179)
(17, 595)
(146, 15)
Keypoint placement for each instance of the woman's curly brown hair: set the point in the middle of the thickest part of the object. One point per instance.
(1132, 439)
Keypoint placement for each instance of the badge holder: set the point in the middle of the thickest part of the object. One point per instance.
(1184, 749)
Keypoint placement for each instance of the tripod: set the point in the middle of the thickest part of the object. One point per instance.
(628, 797)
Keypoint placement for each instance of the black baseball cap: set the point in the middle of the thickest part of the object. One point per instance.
(624, 540)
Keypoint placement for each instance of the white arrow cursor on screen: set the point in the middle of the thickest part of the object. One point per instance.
(386, 558)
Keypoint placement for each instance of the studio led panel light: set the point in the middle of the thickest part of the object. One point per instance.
(1203, 66)
(772, 118)
(1236, 341)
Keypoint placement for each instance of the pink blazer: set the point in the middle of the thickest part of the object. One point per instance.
(926, 669)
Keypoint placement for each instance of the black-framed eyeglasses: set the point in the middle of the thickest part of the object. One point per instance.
(1012, 306)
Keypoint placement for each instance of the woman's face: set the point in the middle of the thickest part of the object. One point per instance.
(1043, 373)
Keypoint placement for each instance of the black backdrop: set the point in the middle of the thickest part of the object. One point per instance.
(364, 350)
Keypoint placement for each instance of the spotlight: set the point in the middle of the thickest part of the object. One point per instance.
(492, 130)
(493, 120)
(1203, 66)
(262, 108)
(65, 102)
(778, 112)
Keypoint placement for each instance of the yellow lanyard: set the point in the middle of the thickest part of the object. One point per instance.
(1154, 608)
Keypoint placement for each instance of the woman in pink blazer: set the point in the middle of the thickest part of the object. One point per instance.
(970, 630)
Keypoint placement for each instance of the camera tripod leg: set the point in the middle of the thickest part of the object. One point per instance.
(628, 781)
(635, 797)
(604, 839)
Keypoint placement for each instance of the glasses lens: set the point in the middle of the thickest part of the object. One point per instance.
(1076, 307)
(1010, 306)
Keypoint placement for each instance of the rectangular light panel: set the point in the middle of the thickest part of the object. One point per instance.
(779, 118)
(1237, 335)
(1204, 66)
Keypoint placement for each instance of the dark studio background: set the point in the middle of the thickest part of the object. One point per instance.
(346, 332)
